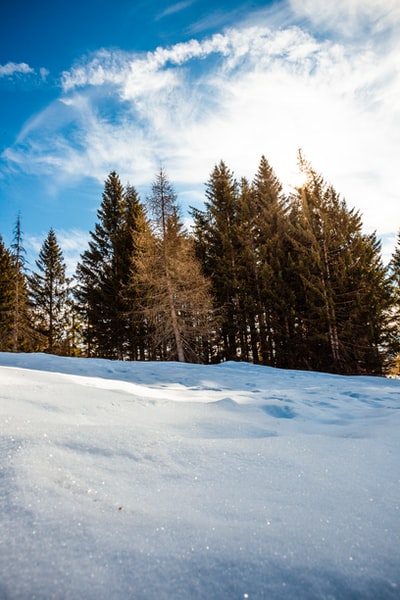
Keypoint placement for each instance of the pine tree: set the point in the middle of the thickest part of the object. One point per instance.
(136, 228)
(7, 288)
(102, 275)
(49, 293)
(241, 242)
(394, 315)
(247, 276)
(216, 243)
(18, 254)
(395, 262)
(340, 285)
(108, 302)
(272, 293)
(23, 336)
(73, 336)
(371, 314)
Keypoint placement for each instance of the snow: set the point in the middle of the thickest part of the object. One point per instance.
(124, 480)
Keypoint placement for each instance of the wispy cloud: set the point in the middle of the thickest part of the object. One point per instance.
(349, 17)
(11, 68)
(22, 73)
(175, 8)
(44, 73)
(235, 95)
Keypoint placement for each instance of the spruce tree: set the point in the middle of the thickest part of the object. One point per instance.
(113, 325)
(73, 341)
(247, 276)
(7, 289)
(23, 336)
(102, 275)
(394, 315)
(395, 263)
(340, 284)
(272, 292)
(135, 229)
(49, 293)
(370, 338)
(241, 242)
(216, 241)
(18, 254)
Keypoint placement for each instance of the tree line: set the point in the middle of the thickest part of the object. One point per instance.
(286, 280)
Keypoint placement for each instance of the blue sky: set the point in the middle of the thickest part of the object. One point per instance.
(90, 87)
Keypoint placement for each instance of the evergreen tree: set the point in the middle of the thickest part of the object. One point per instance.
(272, 291)
(340, 285)
(18, 254)
(240, 240)
(7, 289)
(135, 229)
(394, 316)
(48, 291)
(247, 276)
(23, 336)
(395, 264)
(102, 276)
(372, 304)
(73, 341)
(113, 328)
(216, 242)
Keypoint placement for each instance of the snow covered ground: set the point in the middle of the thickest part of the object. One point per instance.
(168, 481)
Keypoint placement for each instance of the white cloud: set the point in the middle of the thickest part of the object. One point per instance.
(349, 16)
(23, 74)
(12, 68)
(72, 243)
(235, 95)
(104, 67)
(44, 73)
(175, 8)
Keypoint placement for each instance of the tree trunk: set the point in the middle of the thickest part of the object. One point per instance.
(174, 322)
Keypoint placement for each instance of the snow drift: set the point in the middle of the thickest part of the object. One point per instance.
(163, 480)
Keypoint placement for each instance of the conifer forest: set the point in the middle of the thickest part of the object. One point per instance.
(285, 280)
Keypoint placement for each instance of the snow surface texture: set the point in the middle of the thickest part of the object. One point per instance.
(168, 481)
